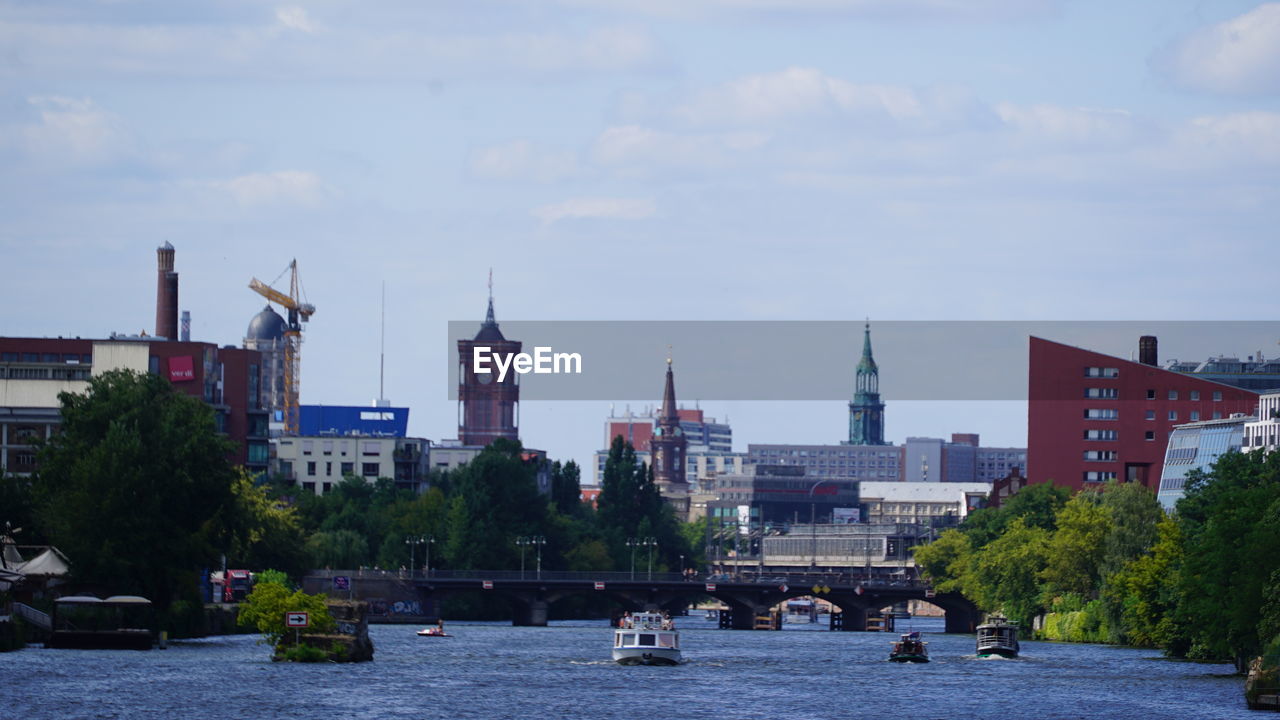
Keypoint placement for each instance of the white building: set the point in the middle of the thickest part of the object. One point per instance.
(317, 464)
(921, 502)
(1263, 432)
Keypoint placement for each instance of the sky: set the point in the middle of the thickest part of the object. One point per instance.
(637, 160)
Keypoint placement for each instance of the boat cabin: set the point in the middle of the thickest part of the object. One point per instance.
(646, 631)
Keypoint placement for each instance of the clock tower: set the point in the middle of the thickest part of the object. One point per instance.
(668, 444)
(487, 409)
(866, 410)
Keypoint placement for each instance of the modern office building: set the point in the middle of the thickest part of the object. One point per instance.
(781, 494)
(1254, 373)
(1197, 446)
(1263, 431)
(33, 371)
(929, 504)
(867, 462)
(1093, 417)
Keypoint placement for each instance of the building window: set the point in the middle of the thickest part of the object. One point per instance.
(369, 469)
(1100, 455)
(1099, 476)
(1151, 414)
(1151, 435)
(8, 357)
(1217, 415)
(1173, 394)
(370, 448)
(1217, 396)
(309, 487)
(1099, 434)
(1102, 393)
(327, 487)
(328, 469)
(308, 446)
(348, 469)
(1151, 393)
(311, 468)
(1195, 415)
(1101, 414)
(1102, 372)
(328, 447)
(1195, 394)
(1173, 416)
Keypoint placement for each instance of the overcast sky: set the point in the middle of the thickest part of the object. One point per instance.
(638, 160)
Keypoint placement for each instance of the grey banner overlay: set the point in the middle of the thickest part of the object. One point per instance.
(816, 360)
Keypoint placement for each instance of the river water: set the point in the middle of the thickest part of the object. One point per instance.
(490, 670)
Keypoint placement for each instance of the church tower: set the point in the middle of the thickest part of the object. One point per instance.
(669, 444)
(487, 409)
(866, 410)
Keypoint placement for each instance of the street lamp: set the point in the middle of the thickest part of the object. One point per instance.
(813, 528)
(426, 565)
(681, 566)
(538, 541)
(523, 542)
(413, 543)
(633, 543)
(652, 543)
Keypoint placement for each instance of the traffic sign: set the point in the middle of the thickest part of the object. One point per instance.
(488, 584)
(599, 586)
(858, 589)
(711, 587)
(929, 592)
(341, 582)
(783, 587)
(816, 589)
(297, 619)
(826, 588)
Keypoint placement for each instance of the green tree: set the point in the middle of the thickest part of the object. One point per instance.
(1075, 550)
(630, 506)
(495, 501)
(566, 487)
(1006, 572)
(261, 532)
(1147, 591)
(265, 608)
(945, 561)
(132, 487)
(343, 549)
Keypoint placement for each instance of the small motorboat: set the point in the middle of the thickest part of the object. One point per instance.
(997, 636)
(910, 648)
(646, 638)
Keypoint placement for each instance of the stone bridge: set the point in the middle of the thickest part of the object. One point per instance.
(531, 595)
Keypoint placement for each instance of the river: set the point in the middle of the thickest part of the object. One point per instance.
(491, 670)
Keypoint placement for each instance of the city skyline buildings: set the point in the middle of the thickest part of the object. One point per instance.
(942, 162)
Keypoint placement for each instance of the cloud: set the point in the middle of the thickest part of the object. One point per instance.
(597, 207)
(73, 130)
(523, 160)
(1234, 140)
(291, 187)
(912, 10)
(1240, 56)
(1069, 126)
(633, 147)
(796, 92)
(295, 18)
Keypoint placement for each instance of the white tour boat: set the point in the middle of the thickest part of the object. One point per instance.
(646, 638)
(998, 636)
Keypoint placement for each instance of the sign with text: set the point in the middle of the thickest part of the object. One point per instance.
(297, 619)
(181, 369)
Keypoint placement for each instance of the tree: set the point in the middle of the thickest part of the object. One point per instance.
(262, 533)
(566, 487)
(630, 506)
(337, 549)
(131, 488)
(945, 561)
(1075, 550)
(266, 606)
(495, 501)
(1006, 572)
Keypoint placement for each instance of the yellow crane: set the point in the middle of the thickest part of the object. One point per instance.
(300, 312)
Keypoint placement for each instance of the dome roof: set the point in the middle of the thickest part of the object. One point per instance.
(266, 325)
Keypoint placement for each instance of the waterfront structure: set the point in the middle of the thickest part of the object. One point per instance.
(781, 494)
(1197, 446)
(917, 503)
(33, 371)
(1263, 432)
(488, 408)
(866, 410)
(1092, 417)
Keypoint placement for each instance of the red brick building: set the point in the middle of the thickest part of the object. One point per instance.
(488, 409)
(1093, 417)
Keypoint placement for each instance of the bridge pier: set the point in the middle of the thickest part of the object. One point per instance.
(529, 612)
(960, 619)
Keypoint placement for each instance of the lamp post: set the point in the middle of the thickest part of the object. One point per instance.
(426, 565)
(633, 543)
(538, 541)
(652, 543)
(813, 528)
(681, 566)
(523, 542)
(413, 543)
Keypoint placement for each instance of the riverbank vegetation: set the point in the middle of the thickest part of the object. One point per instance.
(1107, 565)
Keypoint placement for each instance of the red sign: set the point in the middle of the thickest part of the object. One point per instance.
(297, 619)
(181, 369)
(711, 587)
(599, 586)
(858, 589)
(487, 584)
(783, 588)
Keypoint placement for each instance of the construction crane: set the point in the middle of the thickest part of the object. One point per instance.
(300, 312)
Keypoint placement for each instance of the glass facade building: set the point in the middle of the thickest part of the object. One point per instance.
(1196, 446)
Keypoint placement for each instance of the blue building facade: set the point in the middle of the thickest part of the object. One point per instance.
(1196, 446)
(357, 421)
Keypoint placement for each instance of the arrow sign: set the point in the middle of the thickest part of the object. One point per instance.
(297, 619)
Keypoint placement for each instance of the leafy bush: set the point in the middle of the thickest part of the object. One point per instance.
(266, 606)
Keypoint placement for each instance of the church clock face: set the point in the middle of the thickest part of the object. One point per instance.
(484, 378)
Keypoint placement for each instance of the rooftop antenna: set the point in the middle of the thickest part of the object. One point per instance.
(382, 350)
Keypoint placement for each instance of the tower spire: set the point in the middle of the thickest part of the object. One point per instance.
(669, 394)
(488, 316)
(866, 411)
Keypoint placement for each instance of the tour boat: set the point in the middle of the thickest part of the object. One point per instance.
(997, 636)
(646, 638)
(801, 610)
(909, 648)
